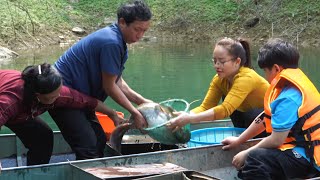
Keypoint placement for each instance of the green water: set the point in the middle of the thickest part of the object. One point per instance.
(161, 71)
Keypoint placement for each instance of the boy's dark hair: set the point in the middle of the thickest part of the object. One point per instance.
(42, 79)
(237, 48)
(136, 10)
(278, 51)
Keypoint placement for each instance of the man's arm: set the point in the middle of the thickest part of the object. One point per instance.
(132, 95)
(114, 91)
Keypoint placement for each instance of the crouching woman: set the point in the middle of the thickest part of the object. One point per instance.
(24, 96)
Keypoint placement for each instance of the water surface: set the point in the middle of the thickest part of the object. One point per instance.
(161, 71)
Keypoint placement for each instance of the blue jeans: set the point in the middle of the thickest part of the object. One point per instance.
(264, 163)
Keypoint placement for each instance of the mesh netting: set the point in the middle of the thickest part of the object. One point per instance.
(177, 104)
(165, 135)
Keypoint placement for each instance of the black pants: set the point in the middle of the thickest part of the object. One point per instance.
(244, 119)
(82, 131)
(276, 164)
(37, 136)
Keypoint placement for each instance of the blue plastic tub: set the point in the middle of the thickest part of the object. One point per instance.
(210, 136)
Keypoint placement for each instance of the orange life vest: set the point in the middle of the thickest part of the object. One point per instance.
(307, 127)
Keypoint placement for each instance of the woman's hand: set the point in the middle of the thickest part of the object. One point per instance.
(230, 143)
(116, 119)
(179, 122)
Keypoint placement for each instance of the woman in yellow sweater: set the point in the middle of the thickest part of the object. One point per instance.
(240, 87)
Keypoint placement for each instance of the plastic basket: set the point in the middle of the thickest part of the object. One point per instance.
(210, 136)
(165, 135)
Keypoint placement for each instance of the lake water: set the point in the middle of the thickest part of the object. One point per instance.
(161, 71)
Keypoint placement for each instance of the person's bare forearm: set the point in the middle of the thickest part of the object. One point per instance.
(121, 99)
(102, 108)
(124, 97)
(207, 115)
(118, 96)
(132, 95)
(253, 130)
(273, 141)
(114, 91)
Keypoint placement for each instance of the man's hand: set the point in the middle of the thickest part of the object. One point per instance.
(144, 100)
(139, 120)
(147, 101)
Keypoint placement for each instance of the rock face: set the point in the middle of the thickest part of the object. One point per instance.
(6, 53)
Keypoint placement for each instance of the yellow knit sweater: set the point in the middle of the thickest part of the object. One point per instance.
(246, 92)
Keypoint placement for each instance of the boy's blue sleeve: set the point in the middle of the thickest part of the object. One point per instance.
(284, 109)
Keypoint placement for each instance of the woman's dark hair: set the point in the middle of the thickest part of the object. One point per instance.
(135, 10)
(278, 51)
(237, 48)
(42, 79)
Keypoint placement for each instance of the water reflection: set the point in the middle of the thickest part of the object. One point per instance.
(33, 56)
(161, 71)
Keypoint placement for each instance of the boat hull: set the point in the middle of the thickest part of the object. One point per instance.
(209, 160)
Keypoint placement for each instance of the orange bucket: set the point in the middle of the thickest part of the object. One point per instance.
(107, 123)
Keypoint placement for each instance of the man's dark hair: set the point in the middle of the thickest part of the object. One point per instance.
(136, 10)
(278, 51)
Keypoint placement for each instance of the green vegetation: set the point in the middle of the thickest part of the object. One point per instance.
(24, 19)
(30, 23)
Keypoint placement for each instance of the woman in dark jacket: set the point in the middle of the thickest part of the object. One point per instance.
(24, 96)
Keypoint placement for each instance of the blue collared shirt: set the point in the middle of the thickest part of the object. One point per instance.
(82, 64)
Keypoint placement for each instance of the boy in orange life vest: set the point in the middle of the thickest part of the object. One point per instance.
(291, 105)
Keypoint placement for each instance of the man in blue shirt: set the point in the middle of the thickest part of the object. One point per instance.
(94, 66)
(291, 106)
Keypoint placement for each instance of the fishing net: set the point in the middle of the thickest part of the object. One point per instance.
(177, 104)
(165, 135)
